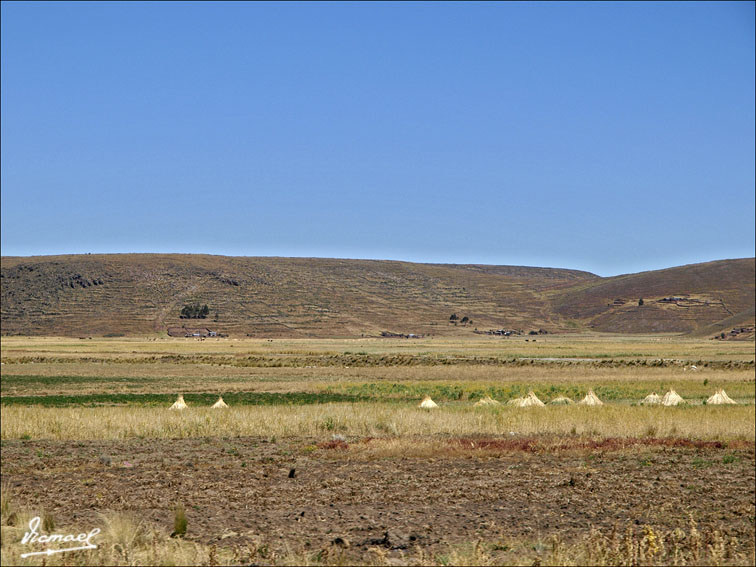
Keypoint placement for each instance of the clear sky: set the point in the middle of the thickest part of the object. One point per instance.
(612, 138)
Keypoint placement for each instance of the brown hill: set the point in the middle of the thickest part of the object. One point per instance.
(681, 299)
(307, 297)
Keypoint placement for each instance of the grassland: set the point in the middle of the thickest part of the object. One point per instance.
(324, 458)
(576, 348)
(371, 420)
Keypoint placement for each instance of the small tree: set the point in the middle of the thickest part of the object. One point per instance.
(195, 311)
(464, 320)
(453, 317)
(640, 301)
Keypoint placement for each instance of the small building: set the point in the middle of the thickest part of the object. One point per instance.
(184, 332)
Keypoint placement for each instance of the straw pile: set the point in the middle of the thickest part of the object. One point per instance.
(651, 399)
(530, 400)
(220, 403)
(561, 401)
(591, 399)
(179, 404)
(720, 397)
(427, 403)
(672, 398)
(487, 401)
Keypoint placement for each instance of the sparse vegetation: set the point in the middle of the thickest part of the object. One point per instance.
(315, 421)
(195, 311)
(179, 521)
(287, 297)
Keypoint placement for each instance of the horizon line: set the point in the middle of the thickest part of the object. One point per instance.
(482, 264)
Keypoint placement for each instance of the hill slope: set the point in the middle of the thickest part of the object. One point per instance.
(680, 299)
(306, 297)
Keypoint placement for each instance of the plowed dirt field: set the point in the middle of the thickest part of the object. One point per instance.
(307, 493)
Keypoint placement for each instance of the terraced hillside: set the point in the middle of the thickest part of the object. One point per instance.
(711, 295)
(100, 294)
(304, 297)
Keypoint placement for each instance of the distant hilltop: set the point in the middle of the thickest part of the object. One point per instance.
(192, 294)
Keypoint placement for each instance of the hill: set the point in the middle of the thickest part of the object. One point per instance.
(681, 299)
(313, 297)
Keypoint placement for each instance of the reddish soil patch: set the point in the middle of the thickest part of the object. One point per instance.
(537, 445)
(240, 490)
(334, 445)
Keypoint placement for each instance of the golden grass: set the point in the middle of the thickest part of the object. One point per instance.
(708, 423)
(594, 345)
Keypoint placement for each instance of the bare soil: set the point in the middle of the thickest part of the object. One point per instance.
(307, 493)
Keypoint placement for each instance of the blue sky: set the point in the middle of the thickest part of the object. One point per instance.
(613, 138)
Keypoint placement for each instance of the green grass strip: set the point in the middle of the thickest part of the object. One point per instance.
(241, 398)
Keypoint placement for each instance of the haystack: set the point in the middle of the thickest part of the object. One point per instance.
(561, 401)
(530, 400)
(220, 403)
(427, 403)
(672, 398)
(591, 399)
(179, 404)
(720, 397)
(651, 399)
(487, 401)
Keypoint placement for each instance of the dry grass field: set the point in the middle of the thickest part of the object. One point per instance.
(324, 458)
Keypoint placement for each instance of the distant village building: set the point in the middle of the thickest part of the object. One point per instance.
(184, 332)
(505, 332)
(388, 334)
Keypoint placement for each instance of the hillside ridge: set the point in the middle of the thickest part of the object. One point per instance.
(137, 294)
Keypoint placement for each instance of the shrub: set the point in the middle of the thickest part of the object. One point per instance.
(194, 311)
(179, 521)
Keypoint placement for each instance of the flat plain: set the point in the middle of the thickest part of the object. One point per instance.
(324, 458)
